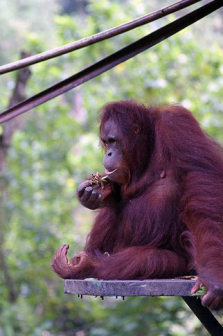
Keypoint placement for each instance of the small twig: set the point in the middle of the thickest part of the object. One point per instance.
(97, 37)
(99, 180)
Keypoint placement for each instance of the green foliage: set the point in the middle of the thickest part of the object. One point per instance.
(58, 147)
(201, 291)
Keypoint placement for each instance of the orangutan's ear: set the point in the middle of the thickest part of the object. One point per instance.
(136, 128)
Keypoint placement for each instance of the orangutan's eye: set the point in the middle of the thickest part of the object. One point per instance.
(112, 141)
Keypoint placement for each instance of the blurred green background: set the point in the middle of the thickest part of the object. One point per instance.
(56, 146)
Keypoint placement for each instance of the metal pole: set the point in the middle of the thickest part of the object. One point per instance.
(97, 37)
(204, 315)
(111, 61)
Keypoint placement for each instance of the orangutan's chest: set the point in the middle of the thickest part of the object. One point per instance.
(157, 201)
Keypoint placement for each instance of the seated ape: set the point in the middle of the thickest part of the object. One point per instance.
(161, 213)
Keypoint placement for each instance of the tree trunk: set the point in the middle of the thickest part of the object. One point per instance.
(9, 129)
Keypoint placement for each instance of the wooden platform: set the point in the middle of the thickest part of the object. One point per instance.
(169, 287)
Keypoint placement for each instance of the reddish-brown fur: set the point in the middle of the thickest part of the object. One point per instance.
(168, 219)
